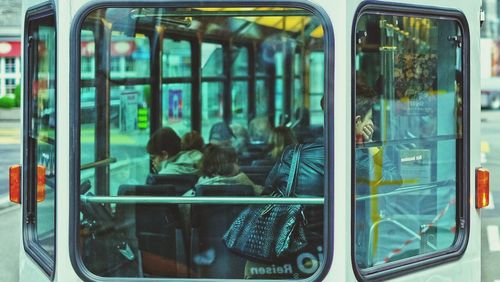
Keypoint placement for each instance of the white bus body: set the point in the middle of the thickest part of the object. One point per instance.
(342, 13)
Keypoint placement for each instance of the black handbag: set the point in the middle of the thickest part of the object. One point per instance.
(270, 232)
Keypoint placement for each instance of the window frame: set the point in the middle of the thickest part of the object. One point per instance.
(459, 246)
(40, 13)
(74, 135)
(10, 68)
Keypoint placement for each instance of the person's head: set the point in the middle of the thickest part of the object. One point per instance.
(164, 143)
(220, 134)
(241, 139)
(281, 137)
(364, 102)
(259, 130)
(219, 161)
(192, 141)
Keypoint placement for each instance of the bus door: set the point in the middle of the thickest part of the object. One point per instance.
(39, 141)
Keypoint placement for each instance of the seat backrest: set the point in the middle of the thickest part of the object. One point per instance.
(257, 174)
(157, 229)
(210, 258)
(182, 182)
(264, 162)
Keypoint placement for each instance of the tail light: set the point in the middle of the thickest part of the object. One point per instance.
(15, 183)
(482, 188)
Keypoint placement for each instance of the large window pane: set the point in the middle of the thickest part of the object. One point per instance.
(408, 77)
(316, 86)
(212, 106)
(129, 56)
(211, 59)
(205, 83)
(239, 95)
(176, 58)
(42, 138)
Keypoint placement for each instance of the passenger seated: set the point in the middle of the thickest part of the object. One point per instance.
(221, 134)
(259, 130)
(309, 182)
(167, 157)
(375, 174)
(192, 141)
(280, 138)
(241, 140)
(219, 166)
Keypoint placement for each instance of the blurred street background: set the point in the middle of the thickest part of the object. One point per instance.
(10, 214)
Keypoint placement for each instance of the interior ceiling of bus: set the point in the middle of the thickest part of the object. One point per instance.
(252, 23)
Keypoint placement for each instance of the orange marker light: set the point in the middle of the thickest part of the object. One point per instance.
(15, 184)
(40, 183)
(482, 188)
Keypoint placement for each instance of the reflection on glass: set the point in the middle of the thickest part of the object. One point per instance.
(171, 240)
(176, 58)
(129, 56)
(212, 106)
(211, 59)
(407, 131)
(42, 132)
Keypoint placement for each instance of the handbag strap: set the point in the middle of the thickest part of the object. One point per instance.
(290, 187)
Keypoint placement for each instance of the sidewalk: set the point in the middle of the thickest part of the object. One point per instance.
(10, 136)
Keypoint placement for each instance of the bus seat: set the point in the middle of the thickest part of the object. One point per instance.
(257, 174)
(182, 182)
(210, 258)
(158, 229)
(264, 162)
(101, 237)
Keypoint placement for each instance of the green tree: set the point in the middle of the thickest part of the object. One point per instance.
(17, 95)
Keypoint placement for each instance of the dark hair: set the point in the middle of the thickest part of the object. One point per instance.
(365, 98)
(220, 132)
(164, 139)
(218, 160)
(192, 141)
(281, 137)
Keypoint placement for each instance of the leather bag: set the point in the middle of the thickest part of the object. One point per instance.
(272, 232)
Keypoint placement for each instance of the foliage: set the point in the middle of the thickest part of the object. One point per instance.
(17, 95)
(7, 102)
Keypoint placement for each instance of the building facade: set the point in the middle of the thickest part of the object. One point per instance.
(10, 46)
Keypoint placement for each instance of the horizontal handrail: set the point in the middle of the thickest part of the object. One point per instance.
(402, 141)
(212, 200)
(407, 189)
(98, 163)
(227, 13)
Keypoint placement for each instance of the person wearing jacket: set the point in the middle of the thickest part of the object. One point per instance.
(167, 157)
(375, 173)
(309, 182)
(219, 166)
